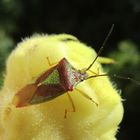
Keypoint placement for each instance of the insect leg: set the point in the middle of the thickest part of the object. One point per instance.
(72, 104)
(93, 72)
(98, 72)
(49, 62)
(86, 96)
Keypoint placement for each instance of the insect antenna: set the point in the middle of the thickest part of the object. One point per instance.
(111, 75)
(102, 47)
(116, 76)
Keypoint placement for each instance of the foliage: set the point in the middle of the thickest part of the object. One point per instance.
(127, 64)
(6, 44)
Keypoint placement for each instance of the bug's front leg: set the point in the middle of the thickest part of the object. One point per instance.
(86, 96)
(95, 73)
(72, 104)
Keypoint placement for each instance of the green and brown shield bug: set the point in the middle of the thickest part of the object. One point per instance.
(59, 79)
(54, 82)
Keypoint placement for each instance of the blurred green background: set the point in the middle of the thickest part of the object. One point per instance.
(90, 21)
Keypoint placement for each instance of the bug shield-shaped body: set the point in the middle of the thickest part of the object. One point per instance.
(57, 80)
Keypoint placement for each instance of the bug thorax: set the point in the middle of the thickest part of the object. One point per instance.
(82, 75)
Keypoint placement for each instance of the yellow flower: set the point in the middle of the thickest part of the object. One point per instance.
(46, 121)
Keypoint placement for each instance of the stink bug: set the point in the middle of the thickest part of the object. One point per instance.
(57, 80)
(54, 82)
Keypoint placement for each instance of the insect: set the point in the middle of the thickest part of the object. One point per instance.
(59, 79)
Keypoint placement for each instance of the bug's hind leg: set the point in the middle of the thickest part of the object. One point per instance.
(72, 104)
(86, 96)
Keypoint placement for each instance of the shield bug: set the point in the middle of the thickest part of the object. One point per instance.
(54, 82)
(59, 79)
